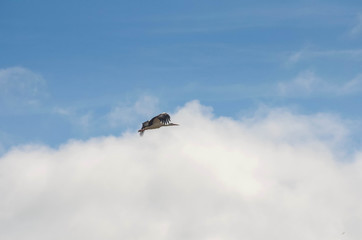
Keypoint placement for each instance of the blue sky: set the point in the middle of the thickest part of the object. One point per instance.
(267, 94)
(82, 69)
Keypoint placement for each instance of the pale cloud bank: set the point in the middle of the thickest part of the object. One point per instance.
(274, 176)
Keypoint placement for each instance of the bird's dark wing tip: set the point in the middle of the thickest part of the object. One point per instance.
(164, 118)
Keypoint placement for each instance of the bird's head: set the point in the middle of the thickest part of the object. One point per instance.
(145, 124)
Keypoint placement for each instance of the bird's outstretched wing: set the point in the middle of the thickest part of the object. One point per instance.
(164, 118)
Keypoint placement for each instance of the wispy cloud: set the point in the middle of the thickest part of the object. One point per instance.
(126, 113)
(82, 119)
(21, 87)
(305, 83)
(211, 178)
(295, 57)
(308, 83)
(122, 115)
(355, 85)
(241, 17)
(357, 28)
(308, 53)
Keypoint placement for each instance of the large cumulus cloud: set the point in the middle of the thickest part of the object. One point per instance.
(274, 176)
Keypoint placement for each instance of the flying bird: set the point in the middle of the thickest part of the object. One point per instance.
(161, 120)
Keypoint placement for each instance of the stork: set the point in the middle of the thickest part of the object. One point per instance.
(161, 120)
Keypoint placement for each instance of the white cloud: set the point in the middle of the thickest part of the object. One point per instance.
(274, 176)
(21, 87)
(126, 113)
(308, 83)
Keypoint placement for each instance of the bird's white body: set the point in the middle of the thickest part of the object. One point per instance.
(161, 120)
(156, 124)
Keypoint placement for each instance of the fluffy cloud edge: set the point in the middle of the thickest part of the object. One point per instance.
(274, 175)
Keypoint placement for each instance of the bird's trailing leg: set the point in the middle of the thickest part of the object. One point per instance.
(141, 131)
